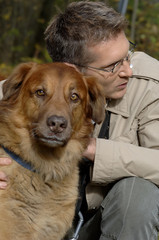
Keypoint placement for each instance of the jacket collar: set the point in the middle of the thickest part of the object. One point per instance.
(119, 106)
(145, 67)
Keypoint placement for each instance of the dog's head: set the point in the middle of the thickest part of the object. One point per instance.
(53, 101)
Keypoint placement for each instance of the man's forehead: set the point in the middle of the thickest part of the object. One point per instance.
(106, 52)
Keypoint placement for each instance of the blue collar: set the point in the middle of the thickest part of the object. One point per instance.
(19, 160)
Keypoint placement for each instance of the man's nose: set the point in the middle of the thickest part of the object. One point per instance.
(126, 69)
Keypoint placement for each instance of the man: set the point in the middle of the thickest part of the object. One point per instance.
(123, 194)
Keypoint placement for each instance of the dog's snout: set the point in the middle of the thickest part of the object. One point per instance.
(56, 123)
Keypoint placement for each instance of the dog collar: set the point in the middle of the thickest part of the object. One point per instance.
(18, 159)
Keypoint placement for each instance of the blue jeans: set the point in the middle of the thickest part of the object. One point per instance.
(130, 211)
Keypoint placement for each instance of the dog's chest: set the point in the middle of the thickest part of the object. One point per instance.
(41, 209)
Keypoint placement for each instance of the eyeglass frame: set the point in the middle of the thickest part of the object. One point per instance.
(116, 64)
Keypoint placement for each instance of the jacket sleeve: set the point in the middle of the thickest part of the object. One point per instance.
(124, 160)
(117, 159)
(1, 94)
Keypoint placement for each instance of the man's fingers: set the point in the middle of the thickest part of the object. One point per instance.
(3, 176)
(3, 181)
(3, 185)
(5, 161)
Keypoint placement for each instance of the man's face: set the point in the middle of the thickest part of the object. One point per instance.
(107, 54)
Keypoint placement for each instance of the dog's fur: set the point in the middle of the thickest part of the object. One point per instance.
(46, 119)
(2, 77)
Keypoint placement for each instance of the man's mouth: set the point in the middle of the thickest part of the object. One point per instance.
(123, 85)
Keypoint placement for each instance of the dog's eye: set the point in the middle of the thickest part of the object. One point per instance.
(40, 93)
(74, 97)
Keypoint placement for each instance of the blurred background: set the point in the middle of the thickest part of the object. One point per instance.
(23, 22)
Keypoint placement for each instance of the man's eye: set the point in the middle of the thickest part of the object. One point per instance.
(40, 93)
(74, 97)
(110, 66)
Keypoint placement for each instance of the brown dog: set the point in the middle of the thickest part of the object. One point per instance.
(46, 120)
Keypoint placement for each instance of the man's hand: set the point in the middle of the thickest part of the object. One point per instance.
(3, 177)
(91, 150)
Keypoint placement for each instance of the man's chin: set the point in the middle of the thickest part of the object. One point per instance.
(118, 95)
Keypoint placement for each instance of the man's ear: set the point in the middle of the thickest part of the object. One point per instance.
(96, 105)
(13, 83)
(72, 65)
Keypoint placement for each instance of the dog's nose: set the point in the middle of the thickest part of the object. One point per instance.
(57, 123)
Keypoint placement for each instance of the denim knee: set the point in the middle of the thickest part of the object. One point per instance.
(142, 193)
(131, 206)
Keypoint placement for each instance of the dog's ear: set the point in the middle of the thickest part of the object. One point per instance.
(96, 107)
(13, 83)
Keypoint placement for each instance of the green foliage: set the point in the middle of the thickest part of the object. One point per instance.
(5, 69)
(23, 23)
(146, 26)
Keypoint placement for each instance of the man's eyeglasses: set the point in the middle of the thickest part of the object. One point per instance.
(114, 67)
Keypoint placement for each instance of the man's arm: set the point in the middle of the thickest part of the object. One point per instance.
(3, 161)
(115, 159)
(119, 157)
(1, 83)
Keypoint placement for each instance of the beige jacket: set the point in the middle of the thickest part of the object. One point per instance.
(1, 83)
(134, 132)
